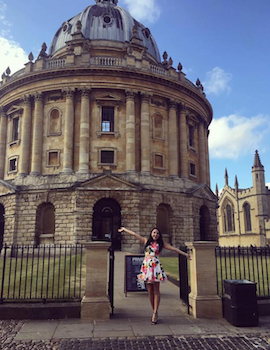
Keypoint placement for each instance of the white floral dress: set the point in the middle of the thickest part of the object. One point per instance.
(152, 270)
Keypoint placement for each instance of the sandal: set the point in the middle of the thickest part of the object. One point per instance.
(154, 318)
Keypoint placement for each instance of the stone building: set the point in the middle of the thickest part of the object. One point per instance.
(243, 214)
(99, 132)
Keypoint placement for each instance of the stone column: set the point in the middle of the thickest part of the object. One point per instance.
(207, 158)
(26, 137)
(3, 141)
(130, 132)
(95, 303)
(173, 149)
(145, 135)
(183, 144)
(203, 298)
(37, 135)
(202, 155)
(68, 133)
(84, 132)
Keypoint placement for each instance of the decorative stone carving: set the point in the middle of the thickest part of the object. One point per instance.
(42, 53)
(179, 67)
(31, 57)
(8, 71)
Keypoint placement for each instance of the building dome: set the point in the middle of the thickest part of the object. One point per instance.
(104, 21)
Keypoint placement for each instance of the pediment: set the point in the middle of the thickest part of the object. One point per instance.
(203, 191)
(107, 182)
(108, 97)
(6, 188)
(14, 109)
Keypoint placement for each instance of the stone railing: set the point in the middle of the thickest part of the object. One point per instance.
(52, 64)
(17, 74)
(158, 70)
(107, 61)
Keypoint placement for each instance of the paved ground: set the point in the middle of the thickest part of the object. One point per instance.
(130, 327)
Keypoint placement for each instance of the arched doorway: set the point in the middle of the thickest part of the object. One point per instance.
(204, 223)
(2, 225)
(106, 222)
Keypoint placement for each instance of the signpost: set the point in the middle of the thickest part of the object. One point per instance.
(133, 265)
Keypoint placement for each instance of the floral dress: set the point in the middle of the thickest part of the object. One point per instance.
(152, 270)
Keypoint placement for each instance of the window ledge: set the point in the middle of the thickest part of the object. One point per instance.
(54, 134)
(115, 134)
(16, 142)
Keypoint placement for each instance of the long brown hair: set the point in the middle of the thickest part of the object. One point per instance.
(159, 240)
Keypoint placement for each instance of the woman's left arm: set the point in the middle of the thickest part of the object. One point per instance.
(170, 247)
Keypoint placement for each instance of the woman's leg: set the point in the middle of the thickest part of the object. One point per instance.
(156, 299)
(150, 293)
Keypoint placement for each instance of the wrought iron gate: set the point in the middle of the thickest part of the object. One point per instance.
(183, 277)
(111, 278)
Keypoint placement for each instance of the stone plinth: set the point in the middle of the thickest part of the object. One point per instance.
(95, 304)
(203, 298)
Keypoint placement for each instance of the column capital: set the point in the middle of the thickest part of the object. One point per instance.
(184, 109)
(2, 112)
(26, 99)
(69, 92)
(38, 96)
(145, 97)
(85, 92)
(130, 95)
(173, 104)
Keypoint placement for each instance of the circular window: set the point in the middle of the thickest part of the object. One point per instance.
(107, 19)
(146, 33)
(65, 27)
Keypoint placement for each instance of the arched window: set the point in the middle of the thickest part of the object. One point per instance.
(2, 225)
(247, 217)
(228, 217)
(45, 224)
(163, 221)
(54, 125)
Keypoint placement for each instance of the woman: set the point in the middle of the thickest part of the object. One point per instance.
(152, 272)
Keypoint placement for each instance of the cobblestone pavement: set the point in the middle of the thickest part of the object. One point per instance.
(9, 329)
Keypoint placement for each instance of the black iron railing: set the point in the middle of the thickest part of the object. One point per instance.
(250, 263)
(183, 277)
(41, 273)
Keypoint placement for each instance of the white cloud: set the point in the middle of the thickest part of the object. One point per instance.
(235, 135)
(143, 10)
(11, 55)
(268, 184)
(217, 81)
(3, 8)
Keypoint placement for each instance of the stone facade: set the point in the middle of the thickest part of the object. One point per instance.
(243, 214)
(99, 133)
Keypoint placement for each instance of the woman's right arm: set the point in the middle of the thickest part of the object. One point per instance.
(139, 237)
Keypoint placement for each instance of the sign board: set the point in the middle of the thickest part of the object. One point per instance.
(133, 265)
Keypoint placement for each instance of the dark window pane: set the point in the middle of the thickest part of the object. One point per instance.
(107, 157)
(107, 123)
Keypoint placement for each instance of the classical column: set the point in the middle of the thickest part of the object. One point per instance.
(68, 133)
(207, 157)
(183, 144)
(173, 149)
(130, 132)
(202, 155)
(3, 140)
(37, 136)
(145, 135)
(84, 132)
(25, 139)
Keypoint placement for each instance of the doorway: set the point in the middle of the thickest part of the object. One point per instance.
(106, 222)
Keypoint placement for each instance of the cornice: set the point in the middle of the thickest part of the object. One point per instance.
(42, 75)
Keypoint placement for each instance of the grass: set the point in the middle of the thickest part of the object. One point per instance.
(170, 266)
(49, 278)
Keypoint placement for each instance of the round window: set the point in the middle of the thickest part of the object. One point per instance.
(146, 33)
(107, 19)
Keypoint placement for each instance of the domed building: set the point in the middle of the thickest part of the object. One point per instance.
(99, 132)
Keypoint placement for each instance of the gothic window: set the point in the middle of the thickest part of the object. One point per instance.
(107, 119)
(228, 217)
(54, 123)
(247, 217)
(158, 130)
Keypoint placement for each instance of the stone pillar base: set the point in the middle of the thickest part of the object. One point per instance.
(205, 306)
(95, 308)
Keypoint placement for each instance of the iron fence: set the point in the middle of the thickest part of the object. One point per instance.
(41, 273)
(249, 263)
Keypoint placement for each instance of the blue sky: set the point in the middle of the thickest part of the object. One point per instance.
(224, 43)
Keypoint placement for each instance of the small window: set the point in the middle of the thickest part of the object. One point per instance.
(192, 169)
(107, 157)
(13, 165)
(15, 129)
(159, 163)
(158, 126)
(191, 136)
(107, 119)
(53, 158)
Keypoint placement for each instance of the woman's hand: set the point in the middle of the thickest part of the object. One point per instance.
(121, 229)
